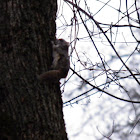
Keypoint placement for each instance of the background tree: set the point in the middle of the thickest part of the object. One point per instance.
(104, 36)
(29, 109)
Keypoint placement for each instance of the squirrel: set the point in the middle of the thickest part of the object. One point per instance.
(61, 63)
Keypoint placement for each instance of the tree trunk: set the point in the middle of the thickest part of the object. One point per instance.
(29, 109)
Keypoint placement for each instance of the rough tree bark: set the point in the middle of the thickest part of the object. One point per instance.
(29, 109)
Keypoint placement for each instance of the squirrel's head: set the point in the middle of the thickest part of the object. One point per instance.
(63, 44)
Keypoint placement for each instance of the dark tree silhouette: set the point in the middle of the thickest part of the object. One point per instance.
(29, 109)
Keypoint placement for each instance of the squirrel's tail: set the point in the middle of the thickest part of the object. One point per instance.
(52, 75)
